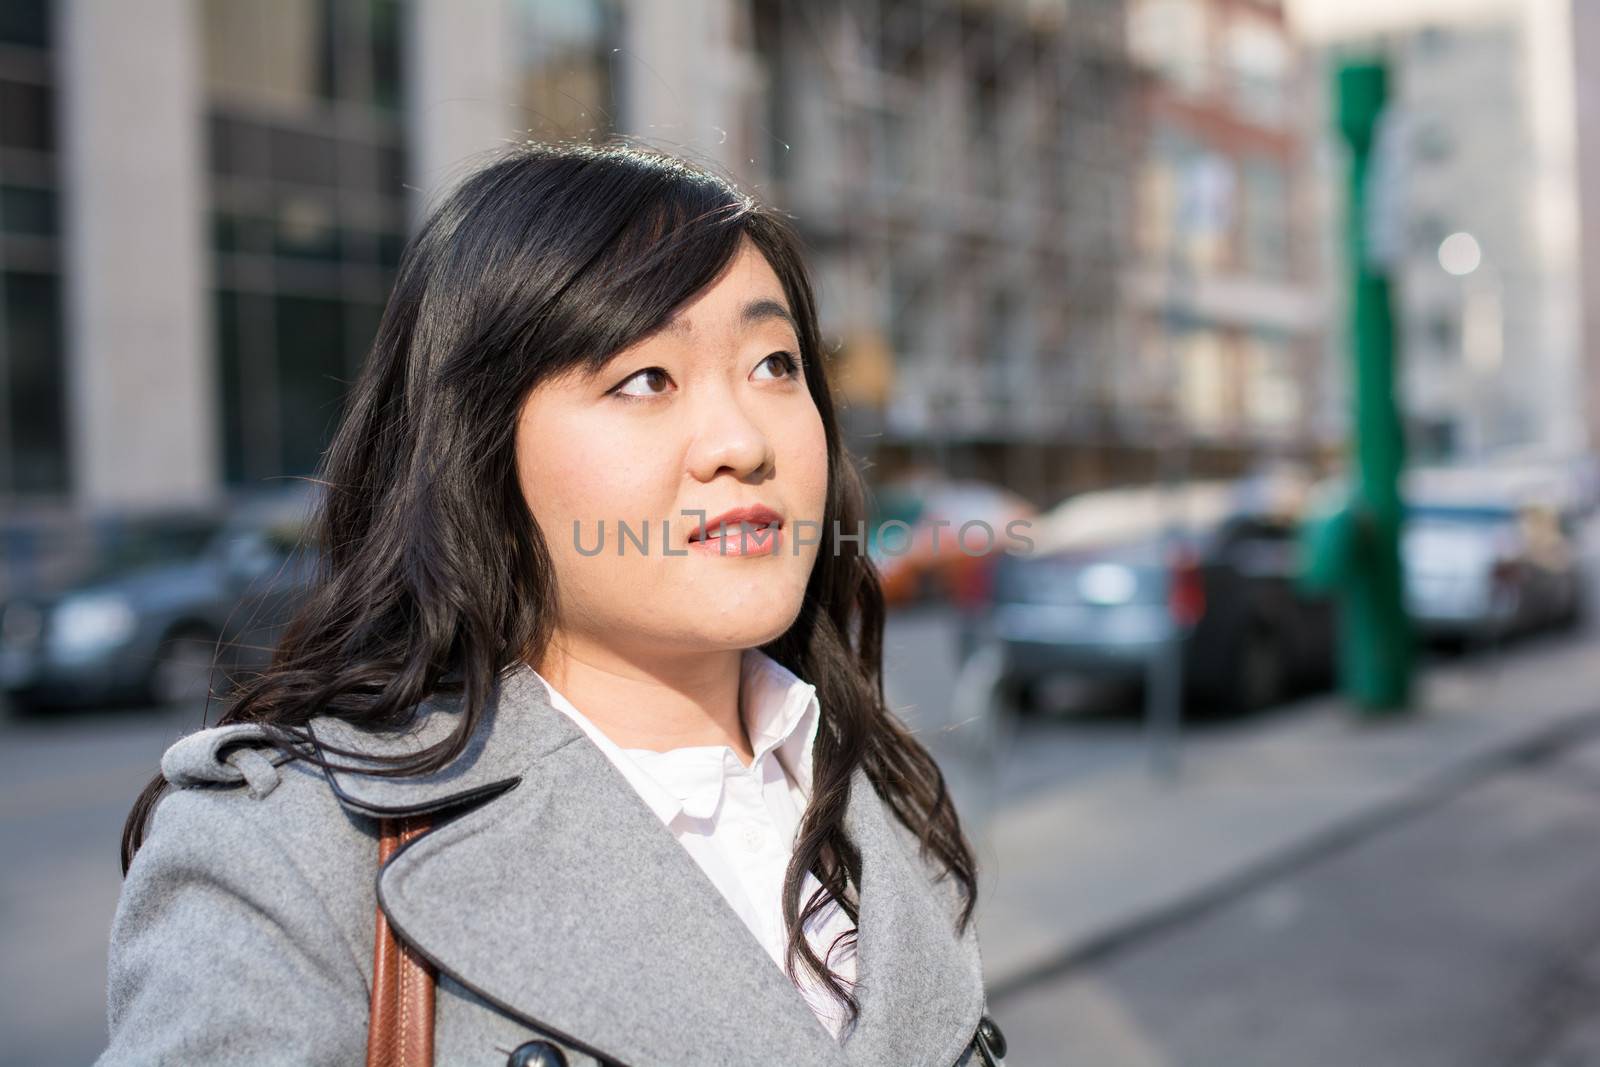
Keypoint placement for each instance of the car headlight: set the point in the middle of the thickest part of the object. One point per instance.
(90, 623)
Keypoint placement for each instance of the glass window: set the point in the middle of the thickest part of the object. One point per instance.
(231, 386)
(1259, 63)
(386, 30)
(28, 211)
(391, 171)
(564, 56)
(25, 22)
(299, 55)
(266, 54)
(908, 297)
(1156, 194)
(1204, 380)
(1265, 209)
(1205, 208)
(34, 390)
(240, 233)
(983, 135)
(306, 227)
(26, 116)
(390, 247)
(360, 329)
(304, 158)
(312, 374)
(1170, 37)
(237, 148)
(33, 447)
(285, 364)
(1271, 388)
(309, 214)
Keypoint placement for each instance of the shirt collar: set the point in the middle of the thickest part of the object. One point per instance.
(782, 714)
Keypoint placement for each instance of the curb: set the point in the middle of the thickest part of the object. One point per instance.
(1407, 801)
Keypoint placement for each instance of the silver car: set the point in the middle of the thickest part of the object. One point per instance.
(1483, 570)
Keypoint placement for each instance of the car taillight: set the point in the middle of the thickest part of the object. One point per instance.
(975, 581)
(1506, 572)
(1186, 590)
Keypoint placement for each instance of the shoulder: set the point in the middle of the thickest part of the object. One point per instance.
(242, 777)
(241, 812)
(251, 902)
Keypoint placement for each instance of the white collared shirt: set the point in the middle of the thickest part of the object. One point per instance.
(739, 823)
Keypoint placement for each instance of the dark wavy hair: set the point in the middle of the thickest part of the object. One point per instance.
(433, 576)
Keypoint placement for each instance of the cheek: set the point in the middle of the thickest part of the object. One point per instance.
(802, 462)
(572, 483)
(810, 460)
(568, 474)
(576, 471)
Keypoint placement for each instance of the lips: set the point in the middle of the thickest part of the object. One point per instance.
(753, 517)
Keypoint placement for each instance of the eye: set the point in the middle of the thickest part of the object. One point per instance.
(622, 392)
(789, 362)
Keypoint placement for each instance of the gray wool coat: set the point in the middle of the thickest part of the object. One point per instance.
(553, 902)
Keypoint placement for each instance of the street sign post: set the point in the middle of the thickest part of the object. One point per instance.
(1353, 550)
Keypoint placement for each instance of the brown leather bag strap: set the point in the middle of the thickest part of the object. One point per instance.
(400, 1028)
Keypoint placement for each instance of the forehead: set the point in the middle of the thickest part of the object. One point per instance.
(747, 294)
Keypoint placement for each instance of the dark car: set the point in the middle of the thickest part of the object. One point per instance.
(169, 604)
(1117, 573)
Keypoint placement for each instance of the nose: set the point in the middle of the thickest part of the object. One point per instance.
(728, 440)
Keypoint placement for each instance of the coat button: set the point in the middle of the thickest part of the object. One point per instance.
(537, 1054)
(991, 1033)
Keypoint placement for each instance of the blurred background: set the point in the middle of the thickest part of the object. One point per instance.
(1277, 322)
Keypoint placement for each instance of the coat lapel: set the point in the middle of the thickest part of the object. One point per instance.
(920, 986)
(564, 901)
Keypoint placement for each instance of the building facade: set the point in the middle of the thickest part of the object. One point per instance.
(1487, 261)
(202, 204)
(197, 239)
(33, 454)
(960, 169)
(1226, 279)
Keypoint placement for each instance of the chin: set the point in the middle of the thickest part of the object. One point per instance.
(742, 629)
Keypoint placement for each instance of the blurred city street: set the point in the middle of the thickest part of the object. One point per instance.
(1275, 324)
(1309, 889)
(1306, 891)
(1462, 934)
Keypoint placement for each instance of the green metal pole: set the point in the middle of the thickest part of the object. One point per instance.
(1376, 633)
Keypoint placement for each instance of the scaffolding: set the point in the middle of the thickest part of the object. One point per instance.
(960, 169)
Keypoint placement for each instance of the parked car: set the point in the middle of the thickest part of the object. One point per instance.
(172, 603)
(1117, 573)
(1483, 568)
(928, 557)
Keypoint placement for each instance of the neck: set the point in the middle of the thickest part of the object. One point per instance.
(657, 703)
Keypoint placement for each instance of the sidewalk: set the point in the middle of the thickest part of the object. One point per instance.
(1071, 873)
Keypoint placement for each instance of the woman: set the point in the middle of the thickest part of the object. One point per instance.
(594, 362)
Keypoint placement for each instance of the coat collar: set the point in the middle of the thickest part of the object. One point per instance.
(566, 902)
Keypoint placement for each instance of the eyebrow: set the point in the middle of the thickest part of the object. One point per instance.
(754, 312)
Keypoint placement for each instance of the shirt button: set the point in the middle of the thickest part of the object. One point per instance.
(753, 838)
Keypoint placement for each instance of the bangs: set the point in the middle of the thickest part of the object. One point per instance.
(681, 236)
(554, 259)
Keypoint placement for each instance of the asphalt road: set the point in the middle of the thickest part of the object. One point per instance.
(65, 785)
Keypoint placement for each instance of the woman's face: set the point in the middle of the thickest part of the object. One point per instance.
(709, 414)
